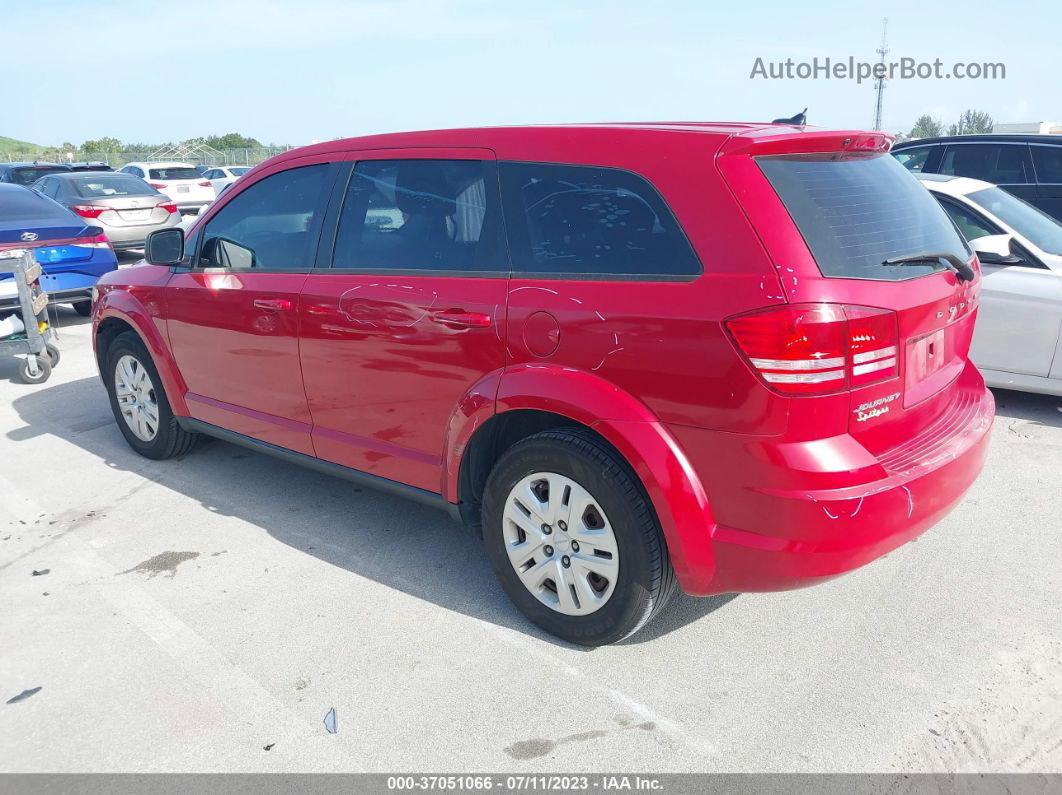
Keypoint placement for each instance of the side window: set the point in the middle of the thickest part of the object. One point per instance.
(41, 186)
(268, 225)
(1048, 162)
(914, 159)
(999, 163)
(566, 219)
(971, 224)
(441, 215)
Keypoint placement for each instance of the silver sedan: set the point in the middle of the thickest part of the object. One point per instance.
(125, 207)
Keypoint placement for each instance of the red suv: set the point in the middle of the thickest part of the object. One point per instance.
(731, 355)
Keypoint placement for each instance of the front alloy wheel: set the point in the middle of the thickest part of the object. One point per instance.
(135, 393)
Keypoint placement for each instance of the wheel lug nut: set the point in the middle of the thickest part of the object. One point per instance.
(575, 546)
(547, 529)
(549, 551)
(566, 561)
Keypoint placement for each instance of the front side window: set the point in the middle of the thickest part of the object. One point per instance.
(1048, 162)
(437, 215)
(567, 219)
(913, 159)
(267, 225)
(1000, 163)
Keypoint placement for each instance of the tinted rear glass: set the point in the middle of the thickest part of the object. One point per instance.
(103, 186)
(30, 174)
(173, 173)
(856, 211)
(25, 205)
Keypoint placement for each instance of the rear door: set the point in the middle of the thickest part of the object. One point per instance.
(232, 317)
(406, 326)
(855, 207)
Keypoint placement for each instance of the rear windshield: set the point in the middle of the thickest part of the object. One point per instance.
(25, 205)
(118, 185)
(856, 211)
(1040, 228)
(30, 174)
(173, 173)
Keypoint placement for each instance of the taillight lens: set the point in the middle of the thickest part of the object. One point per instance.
(204, 184)
(169, 207)
(157, 185)
(818, 349)
(90, 210)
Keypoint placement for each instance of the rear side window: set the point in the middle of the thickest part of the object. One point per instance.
(856, 211)
(566, 219)
(101, 187)
(914, 159)
(268, 225)
(173, 173)
(999, 163)
(439, 215)
(1048, 162)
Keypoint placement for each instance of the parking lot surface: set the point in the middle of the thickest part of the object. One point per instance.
(205, 614)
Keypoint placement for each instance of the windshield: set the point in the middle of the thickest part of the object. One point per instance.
(856, 211)
(1041, 229)
(30, 174)
(173, 173)
(101, 187)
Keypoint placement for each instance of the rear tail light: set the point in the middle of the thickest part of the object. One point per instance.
(96, 241)
(818, 349)
(157, 185)
(204, 184)
(169, 207)
(90, 210)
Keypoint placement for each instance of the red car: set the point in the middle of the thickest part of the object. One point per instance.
(728, 355)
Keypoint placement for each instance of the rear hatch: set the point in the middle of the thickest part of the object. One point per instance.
(877, 271)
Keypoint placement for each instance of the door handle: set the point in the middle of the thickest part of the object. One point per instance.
(273, 304)
(459, 317)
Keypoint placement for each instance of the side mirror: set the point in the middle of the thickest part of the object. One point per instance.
(995, 250)
(992, 258)
(165, 246)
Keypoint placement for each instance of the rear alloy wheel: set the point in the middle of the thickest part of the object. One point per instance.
(573, 540)
(139, 402)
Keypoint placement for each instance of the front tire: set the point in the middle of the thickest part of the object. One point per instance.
(139, 403)
(573, 540)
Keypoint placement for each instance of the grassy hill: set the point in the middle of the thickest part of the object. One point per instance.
(10, 145)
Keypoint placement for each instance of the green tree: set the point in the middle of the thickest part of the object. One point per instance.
(231, 141)
(102, 145)
(927, 127)
(972, 122)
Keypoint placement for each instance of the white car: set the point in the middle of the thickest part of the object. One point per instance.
(1017, 343)
(220, 176)
(180, 181)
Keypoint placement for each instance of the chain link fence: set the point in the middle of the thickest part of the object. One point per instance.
(224, 157)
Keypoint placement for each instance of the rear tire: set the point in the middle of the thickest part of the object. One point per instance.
(139, 403)
(83, 308)
(608, 603)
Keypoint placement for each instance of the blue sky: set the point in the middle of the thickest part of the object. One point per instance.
(292, 72)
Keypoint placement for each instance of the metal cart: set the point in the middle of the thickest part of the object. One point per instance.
(41, 355)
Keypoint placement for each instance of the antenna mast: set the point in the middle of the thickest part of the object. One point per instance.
(879, 85)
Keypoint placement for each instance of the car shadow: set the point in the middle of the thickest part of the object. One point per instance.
(413, 548)
(1043, 410)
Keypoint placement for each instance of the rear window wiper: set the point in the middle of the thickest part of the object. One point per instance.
(962, 269)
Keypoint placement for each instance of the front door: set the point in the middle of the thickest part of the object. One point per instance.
(407, 324)
(232, 318)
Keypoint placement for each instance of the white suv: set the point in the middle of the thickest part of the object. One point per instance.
(180, 181)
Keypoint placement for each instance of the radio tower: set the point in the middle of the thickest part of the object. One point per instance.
(879, 85)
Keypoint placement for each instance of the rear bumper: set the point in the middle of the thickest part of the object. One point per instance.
(799, 537)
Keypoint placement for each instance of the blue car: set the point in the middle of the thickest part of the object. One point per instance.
(72, 255)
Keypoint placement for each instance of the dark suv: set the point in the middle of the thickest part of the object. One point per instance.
(1029, 166)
